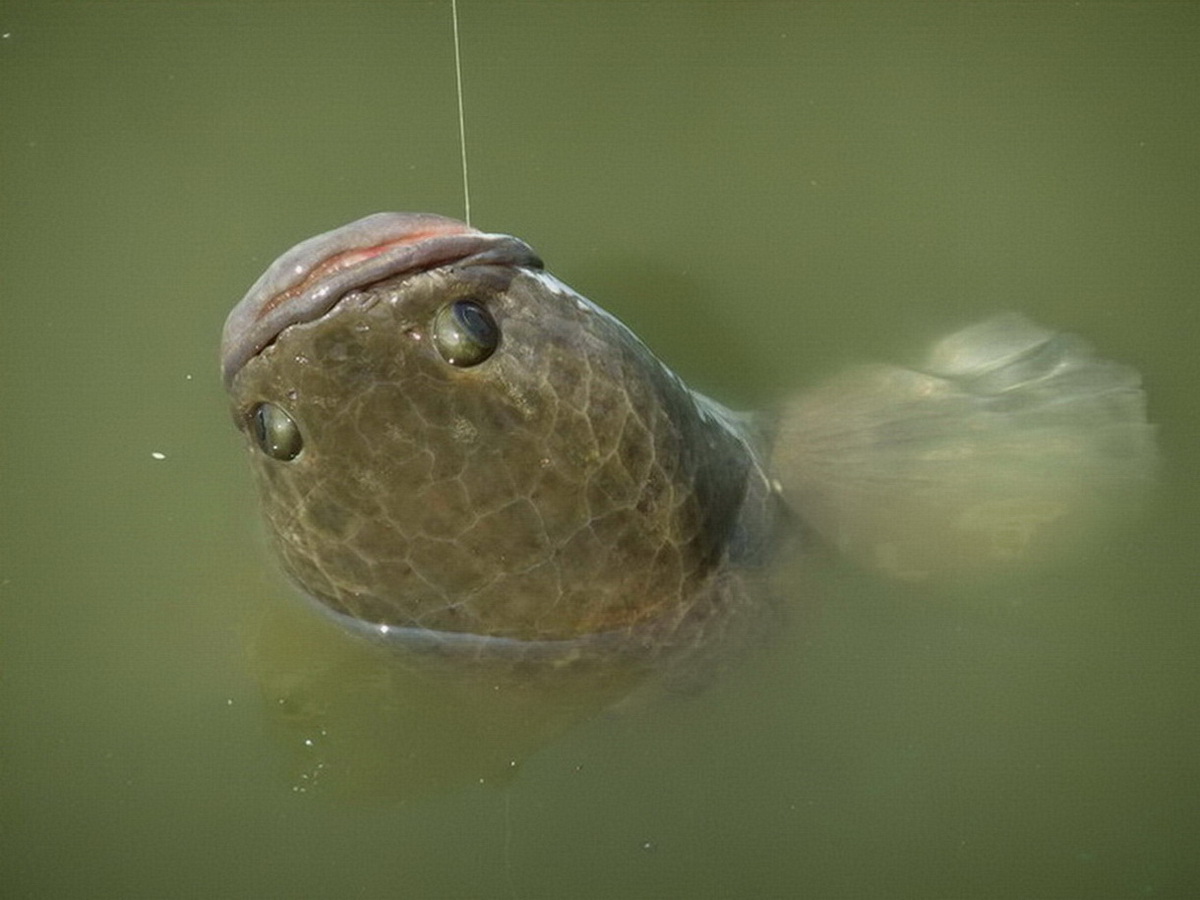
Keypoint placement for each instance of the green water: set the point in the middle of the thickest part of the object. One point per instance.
(765, 192)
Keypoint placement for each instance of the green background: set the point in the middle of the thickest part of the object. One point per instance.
(765, 192)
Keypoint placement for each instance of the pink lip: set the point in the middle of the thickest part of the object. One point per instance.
(307, 280)
(355, 257)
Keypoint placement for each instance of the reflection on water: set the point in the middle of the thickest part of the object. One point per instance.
(1008, 447)
(366, 722)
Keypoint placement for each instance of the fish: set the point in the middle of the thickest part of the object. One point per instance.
(459, 455)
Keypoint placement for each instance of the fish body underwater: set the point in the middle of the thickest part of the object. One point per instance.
(459, 455)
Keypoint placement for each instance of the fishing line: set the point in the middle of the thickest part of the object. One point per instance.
(508, 867)
(462, 122)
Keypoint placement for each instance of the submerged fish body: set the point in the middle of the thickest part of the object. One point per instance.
(459, 453)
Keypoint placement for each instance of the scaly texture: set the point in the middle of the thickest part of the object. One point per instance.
(569, 489)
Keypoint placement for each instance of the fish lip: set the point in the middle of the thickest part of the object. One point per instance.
(307, 281)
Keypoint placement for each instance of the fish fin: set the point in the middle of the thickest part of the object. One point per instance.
(1008, 442)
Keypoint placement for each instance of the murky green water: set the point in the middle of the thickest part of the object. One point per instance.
(765, 192)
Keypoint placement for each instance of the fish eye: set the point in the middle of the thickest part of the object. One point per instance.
(465, 333)
(275, 432)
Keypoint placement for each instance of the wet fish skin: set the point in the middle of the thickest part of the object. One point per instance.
(569, 495)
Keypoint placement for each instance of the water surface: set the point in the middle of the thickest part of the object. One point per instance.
(765, 192)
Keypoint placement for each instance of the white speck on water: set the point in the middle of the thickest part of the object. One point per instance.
(156, 455)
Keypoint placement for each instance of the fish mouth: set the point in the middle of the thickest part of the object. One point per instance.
(305, 282)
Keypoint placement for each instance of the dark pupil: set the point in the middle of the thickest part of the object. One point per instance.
(275, 432)
(476, 322)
